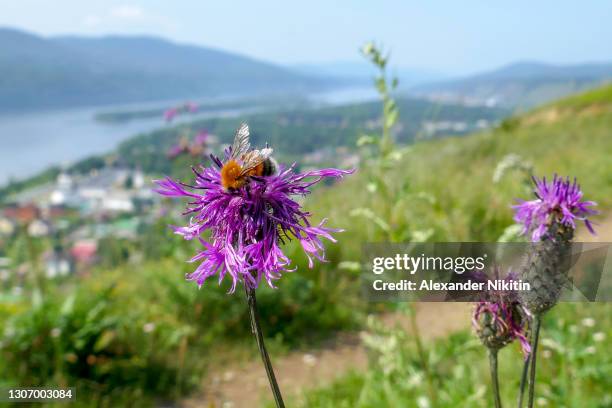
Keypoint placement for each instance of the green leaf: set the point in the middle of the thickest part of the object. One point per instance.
(422, 235)
(391, 118)
(350, 266)
(367, 49)
(365, 140)
(381, 85)
(37, 299)
(512, 233)
(369, 214)
(104, 340)
(68, 305)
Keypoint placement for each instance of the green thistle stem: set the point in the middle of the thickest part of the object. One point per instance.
(523, 381)
(256, 329)
(494, 377)
(422, 356)
(534, 349)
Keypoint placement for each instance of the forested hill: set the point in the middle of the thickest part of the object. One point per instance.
(38, 72)
(522, 84)
(295, 134)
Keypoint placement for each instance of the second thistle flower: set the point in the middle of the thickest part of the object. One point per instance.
(551, 220)
(558, 204)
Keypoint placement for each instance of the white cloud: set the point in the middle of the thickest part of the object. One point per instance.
(91, 21)
(126, 18)
(127, 11)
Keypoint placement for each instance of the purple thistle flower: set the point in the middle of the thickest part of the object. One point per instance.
(191, 107)
(170, 114)
(175, 151)
(249, 225)
(557, 201)
(201, 138)
(198, 146)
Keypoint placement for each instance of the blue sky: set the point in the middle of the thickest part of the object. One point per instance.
(454, 37)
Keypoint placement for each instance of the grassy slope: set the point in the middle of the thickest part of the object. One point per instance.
(599, 97)
(451, 190)
(448, 183)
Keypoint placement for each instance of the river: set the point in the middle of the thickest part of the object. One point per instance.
(31, 142)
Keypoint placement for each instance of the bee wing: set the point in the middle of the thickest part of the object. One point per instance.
(241, 143)
(253, 159)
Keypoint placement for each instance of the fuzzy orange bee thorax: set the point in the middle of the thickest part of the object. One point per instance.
(233, 177)
(244, 163)
(230, 175)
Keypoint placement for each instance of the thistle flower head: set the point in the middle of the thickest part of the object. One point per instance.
(557, 202)
(191, 107)
(195, 148)
(200, 138)
(248, 225)
(173, 112)
(499, 320)
(174, 151)
(170, 114)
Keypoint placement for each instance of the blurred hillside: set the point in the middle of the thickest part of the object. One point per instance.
(522, 84)
(459, 189)
(363, 72)
(39, 72)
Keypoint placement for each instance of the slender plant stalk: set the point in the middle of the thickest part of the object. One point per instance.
(421, 351)
(494, 376)
(256, 329)
(39, 274)
(534, 349)
(523, 381)
(182, 352)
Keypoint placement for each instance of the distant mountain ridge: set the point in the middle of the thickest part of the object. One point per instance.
(523, 84)
(56, 72)
(38, 72)
(364, 72)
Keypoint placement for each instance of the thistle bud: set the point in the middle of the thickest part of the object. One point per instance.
(546, 269)
(499, 318)
(550, 219)
(498, 324)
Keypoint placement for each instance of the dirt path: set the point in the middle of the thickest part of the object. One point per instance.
(244, 385)
(603, 228)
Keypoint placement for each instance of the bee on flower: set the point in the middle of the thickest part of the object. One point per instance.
(247, 203)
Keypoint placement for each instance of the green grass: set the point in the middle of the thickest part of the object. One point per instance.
(599, 96)
(575, 369)
(446, 186)
(141, 331)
